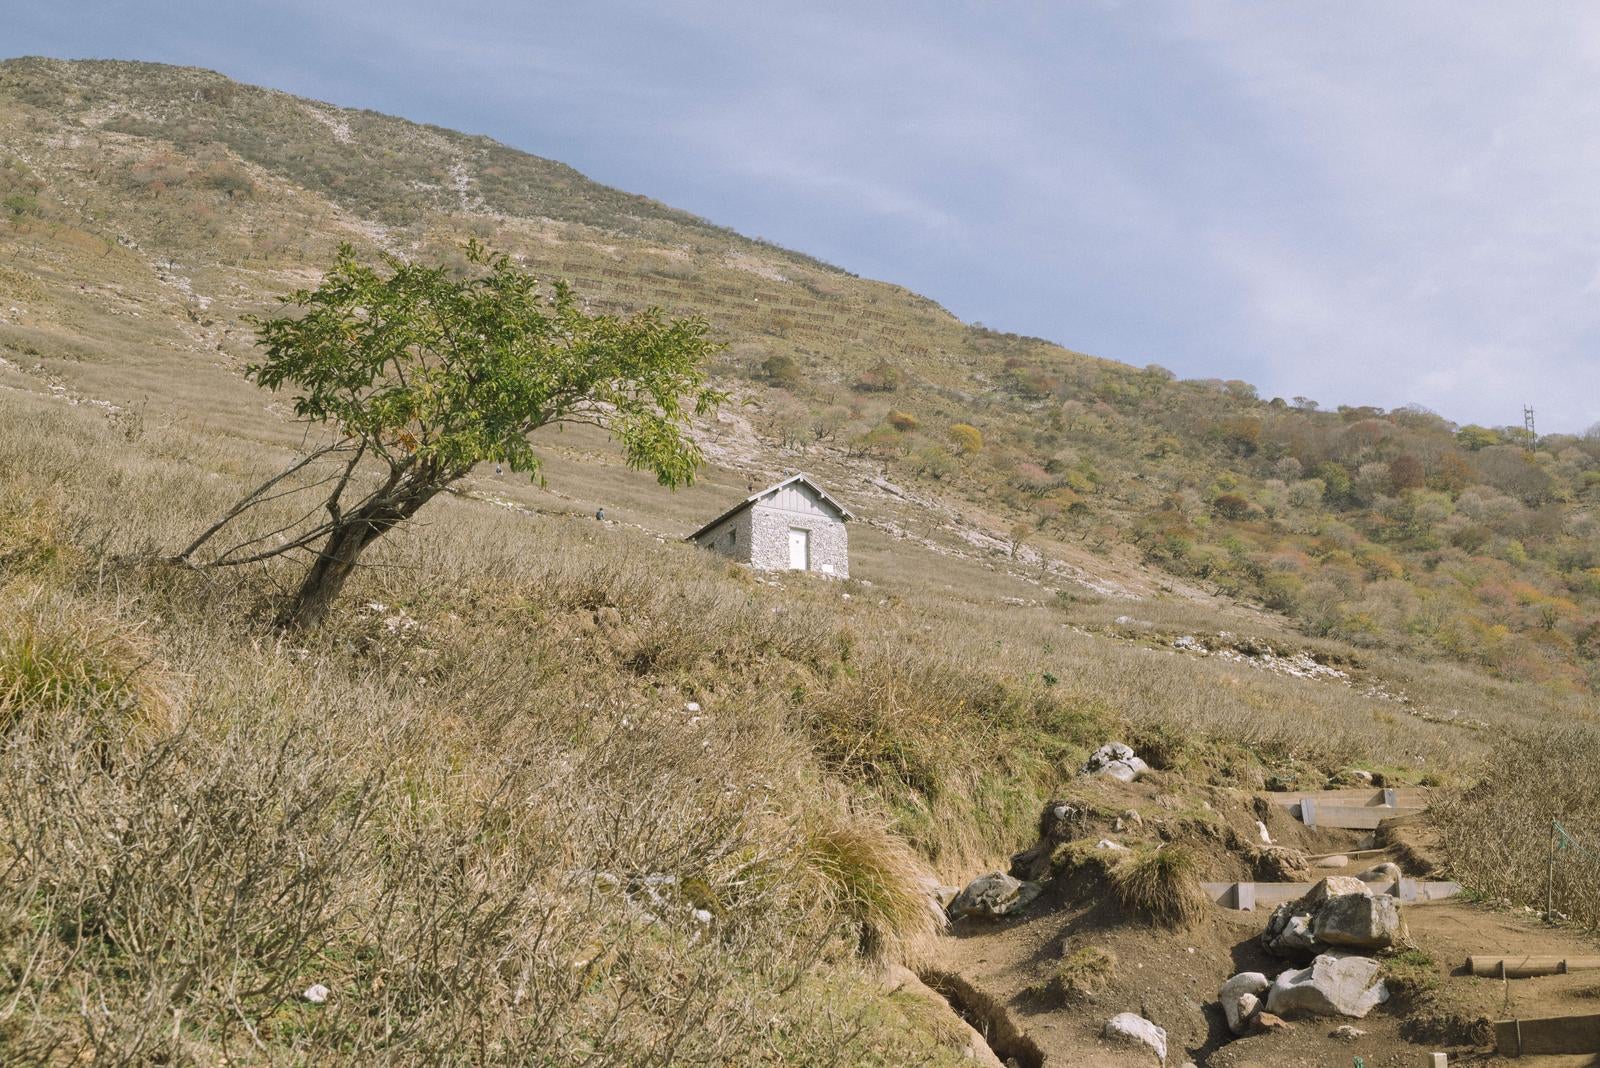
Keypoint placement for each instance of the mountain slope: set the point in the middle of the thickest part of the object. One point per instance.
(190, 199)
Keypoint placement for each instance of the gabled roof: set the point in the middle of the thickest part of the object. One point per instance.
(844, 513)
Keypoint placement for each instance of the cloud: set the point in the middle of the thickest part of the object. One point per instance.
(1451, 138)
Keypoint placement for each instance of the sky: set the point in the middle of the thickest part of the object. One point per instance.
(1358, 202)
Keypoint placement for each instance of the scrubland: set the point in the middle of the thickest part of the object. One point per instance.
(545, 790)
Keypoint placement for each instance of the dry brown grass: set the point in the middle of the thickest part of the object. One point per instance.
(477, 805)
(484, 819)
(1498, 834)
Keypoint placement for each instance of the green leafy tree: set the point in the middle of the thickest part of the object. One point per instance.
(781, 370)
(422, 373)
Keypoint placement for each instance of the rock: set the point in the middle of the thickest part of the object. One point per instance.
(1331, 986)
(1131, 1027)
(1114, 847)
(1060, 820)
(941, 894)
(1297, 934)
(1117, 761)
(1388, 872)
(1346, 1033)
(995, 894)
(1266, 1022)
(316, 993)
(1335, 886)
(1238, 997)
(1280, 864)
(1339, 861)
(1359, 922)
(1261, 829)
(1292, 929)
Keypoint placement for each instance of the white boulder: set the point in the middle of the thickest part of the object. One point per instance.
(1388, 872)
(1331, 986)
(1240, 998)
(1131, 1027)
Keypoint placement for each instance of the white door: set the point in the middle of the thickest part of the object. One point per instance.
(799, 549)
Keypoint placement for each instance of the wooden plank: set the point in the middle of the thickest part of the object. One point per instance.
(1549, 1035)
(1351, 817)
(1248, 896)
(1403, 795)
(1496, 966)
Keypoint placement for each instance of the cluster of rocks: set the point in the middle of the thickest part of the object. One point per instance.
(1330, 985)
(1328, 931)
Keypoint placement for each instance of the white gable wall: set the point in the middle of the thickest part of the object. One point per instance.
(769, 535)
(801, 499)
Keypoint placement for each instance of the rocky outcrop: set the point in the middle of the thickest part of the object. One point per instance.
(1331, 986)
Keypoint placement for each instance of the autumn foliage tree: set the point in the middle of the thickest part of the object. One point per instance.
(421, 373)
(967, 438)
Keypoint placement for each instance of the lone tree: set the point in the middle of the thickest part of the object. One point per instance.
(421, 372)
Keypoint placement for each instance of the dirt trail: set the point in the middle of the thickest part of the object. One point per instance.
(1172, 977)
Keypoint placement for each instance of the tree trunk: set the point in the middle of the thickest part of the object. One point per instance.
(336, 560)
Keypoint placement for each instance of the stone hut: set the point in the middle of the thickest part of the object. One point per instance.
(791, 525)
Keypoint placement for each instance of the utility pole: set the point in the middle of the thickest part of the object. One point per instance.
(1527, 422)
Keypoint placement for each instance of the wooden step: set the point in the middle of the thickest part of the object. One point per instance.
(1247, 896)
(1548, 1035)
(1498, 966)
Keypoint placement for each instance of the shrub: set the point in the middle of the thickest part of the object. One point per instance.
(883, 377)
(1231, 506)
(967, 438)
(1162, 886)
(904, 422)
(781, 370)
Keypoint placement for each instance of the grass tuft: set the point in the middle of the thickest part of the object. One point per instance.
(869, 877)
(1162, 886)
(1082, 975)
(56, 660)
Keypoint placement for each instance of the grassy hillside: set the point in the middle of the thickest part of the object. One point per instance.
(479, 805)
(1387, 529)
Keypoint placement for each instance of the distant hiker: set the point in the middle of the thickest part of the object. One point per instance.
(750, 487)
(499, 470)
(600, 514)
